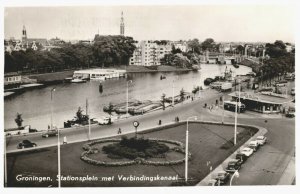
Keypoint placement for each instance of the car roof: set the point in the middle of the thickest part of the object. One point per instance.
(233, 160)
(246, 148)
(221, 172)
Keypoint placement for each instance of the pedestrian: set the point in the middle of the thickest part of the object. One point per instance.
(177, 119)
(159, 122)
(65, 140)
(119, 131)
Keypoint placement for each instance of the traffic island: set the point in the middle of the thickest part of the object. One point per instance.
(205, 142)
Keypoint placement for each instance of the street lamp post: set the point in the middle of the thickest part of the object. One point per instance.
(89, 118)
(223, 110)
(51, 122)
(129, 81)
(235, 174)
(58, 141)
(186, 146)
(173, 86)
(5, 162)
(235, 120)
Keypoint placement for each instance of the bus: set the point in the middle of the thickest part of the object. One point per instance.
(230, 105)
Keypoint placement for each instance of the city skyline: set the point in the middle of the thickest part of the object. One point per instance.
(223, 23)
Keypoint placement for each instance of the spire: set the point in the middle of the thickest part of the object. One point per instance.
(24, 34)
(122, 25)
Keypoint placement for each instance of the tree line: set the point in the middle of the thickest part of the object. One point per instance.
(106, 51)
(279, 61)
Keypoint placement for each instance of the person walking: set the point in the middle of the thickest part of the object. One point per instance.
(119, 131)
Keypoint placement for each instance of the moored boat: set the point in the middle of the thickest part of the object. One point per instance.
(78, 80)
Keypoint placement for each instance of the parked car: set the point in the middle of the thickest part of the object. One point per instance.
(233, 165)
(290, 114)
(247, 151)
(261, 140)
(254, 145)
(223, 177)
(104, 120)
(50, 133)
(26, 144)
(293, 91)
(213, 182)
(241, 157)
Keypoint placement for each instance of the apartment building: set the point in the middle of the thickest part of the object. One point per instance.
(149, 53)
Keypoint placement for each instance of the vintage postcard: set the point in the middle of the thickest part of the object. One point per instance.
(149, 95)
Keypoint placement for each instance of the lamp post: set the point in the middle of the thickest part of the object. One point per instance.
(88, 116)
(58, 142)
(5, 162)
(51, 122)
(173, 86)
(129, 81)
(186, 146)
(235, 119)
(235, 174)
(223, 110)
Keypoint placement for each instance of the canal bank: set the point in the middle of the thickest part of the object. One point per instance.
(68, 96)
(59, 77)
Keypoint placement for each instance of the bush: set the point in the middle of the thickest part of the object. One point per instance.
(136, 156)
(133, 148)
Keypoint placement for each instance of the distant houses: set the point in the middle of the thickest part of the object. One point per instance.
(31, 43)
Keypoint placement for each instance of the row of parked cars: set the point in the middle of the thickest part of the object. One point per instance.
(235, 164)
(54, 132)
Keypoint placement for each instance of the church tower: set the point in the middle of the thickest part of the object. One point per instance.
(122, 25)
(24, 34)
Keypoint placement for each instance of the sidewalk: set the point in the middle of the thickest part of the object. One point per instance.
(288, 175)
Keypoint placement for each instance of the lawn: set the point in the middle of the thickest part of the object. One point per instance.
(207, 143)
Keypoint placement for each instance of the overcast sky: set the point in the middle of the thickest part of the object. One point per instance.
(265, 23)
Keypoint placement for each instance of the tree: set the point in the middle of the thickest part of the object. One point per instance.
(195, 90)
(79, 115)
(276, 50)
(109, 111)
(240, 49)
(175, 51)
(181, 95)
(208, 44)
(194, 45)
(19, 120)
(280, 44)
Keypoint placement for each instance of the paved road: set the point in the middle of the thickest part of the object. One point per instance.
(264, 168)
(146, 121)
(269, 163)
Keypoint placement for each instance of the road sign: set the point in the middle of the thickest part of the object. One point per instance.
(136, 123)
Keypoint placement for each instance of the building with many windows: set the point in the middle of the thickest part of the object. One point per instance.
(149, 53)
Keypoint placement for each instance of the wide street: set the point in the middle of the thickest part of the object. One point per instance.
(264, 168)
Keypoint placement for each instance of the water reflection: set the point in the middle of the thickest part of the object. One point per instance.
(35, 105)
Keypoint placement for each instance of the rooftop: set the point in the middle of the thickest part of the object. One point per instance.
(266, 97)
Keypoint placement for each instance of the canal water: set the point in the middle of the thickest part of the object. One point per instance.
(35, 105)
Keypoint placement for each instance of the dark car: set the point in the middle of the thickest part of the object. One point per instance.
(241, 157)
(50, 133)
(290, 115)
(233, 165)
(223, 177)
(26, 144)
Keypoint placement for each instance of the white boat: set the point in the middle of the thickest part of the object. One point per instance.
(77, 80)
